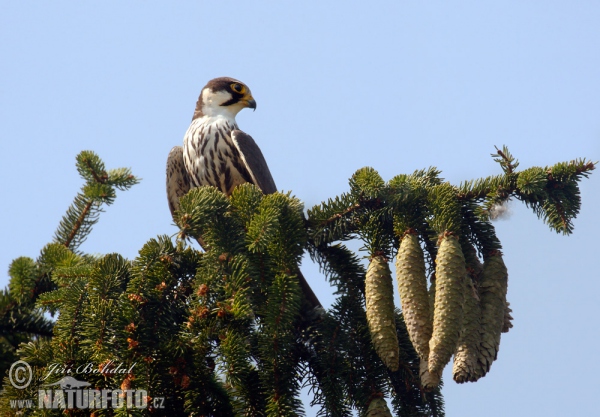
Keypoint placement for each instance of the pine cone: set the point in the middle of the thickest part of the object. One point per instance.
(428, 380)
(412, 286)
(449, 301)
(492, 293)
(467, 351)
(379, 294)
(378, 408)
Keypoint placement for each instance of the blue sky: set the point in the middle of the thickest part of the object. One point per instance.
(396, 85)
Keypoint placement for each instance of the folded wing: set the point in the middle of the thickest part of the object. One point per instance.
(254, 161)
(178, 183)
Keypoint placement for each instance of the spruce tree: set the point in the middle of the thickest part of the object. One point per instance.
(227, 332)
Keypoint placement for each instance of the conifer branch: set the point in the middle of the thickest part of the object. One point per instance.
(78, 223)
(99, 179)
(98, 189)
(505, 159)
(337, 216)
(225, 332)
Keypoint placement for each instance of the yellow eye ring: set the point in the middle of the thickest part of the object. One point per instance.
(238, 88)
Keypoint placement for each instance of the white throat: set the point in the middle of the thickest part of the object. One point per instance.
(212, 105)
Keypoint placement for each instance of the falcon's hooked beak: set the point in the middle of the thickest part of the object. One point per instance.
(249, 102)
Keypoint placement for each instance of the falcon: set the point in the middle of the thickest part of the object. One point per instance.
(215, 152)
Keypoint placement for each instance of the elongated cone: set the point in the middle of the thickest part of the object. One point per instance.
(429, 380)
(449, 301)
(492, 293)
(412, 286)
(379, 294)
(467, 352)
(378, 408)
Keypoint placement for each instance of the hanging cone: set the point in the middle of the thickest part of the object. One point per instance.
(379, 294)
(449, 301)
(428, 380)
(492, 293)
(412, 286)
(466, 363)
(378, 408)
(467, 351)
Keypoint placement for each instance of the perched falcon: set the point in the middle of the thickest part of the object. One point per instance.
(215, 152)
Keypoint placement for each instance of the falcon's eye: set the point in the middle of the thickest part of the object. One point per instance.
(238, 88)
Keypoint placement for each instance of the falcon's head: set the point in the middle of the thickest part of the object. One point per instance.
(223, 96)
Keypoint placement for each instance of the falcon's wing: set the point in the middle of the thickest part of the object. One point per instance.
(178, 183)
(254, 161)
